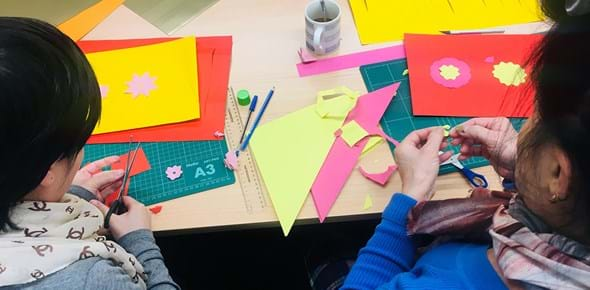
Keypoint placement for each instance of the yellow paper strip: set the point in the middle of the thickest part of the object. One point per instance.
(387, 20)
(174, 98)
(81, 24)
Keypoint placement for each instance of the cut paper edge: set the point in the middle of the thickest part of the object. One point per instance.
(509, 74)
(352, 133)
(337, 110)
(305, 56)
(368, 202)
(380, 178)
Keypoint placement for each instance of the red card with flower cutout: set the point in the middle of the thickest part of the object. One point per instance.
(474, 75)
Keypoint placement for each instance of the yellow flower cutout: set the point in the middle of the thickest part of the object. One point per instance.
(510, 74)
(449, 72)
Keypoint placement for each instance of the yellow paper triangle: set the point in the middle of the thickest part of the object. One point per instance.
(175, 98)
(290, 151)
(368, 202)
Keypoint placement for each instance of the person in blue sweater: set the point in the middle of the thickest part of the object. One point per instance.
(537, 237)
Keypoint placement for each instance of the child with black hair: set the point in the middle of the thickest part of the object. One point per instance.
(49, 106)
(537, 238)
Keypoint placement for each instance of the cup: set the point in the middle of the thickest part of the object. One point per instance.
(322, 31)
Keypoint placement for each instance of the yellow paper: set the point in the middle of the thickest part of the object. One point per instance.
(368, 202)
(175, 98)
(387, 20)
(290, 151)
(352, 133)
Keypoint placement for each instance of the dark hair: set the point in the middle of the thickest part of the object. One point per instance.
(561, 76)
(49, 105)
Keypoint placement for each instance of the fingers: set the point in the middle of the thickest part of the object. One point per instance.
(435, 139)
(131, 203)
(101, 206)
(98, 165)
(418, 137)
(481, 135)
(105, 178)
(483, 122)
(445, 156)
(110, 189)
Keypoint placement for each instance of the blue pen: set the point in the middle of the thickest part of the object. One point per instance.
(251, 109)
(257, 120)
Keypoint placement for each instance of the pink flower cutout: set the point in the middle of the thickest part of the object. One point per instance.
(104, 90)
(463, 78)
(141, 85)
(174, 172)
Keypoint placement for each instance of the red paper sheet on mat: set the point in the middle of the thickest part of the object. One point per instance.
(470, 75)
(213, 58)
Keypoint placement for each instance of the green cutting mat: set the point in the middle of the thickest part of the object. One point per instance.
(398, 120)
(201, 161)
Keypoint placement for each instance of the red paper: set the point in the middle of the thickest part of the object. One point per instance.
(213, 58)
(482, 95)
(156, 209)
(140, 165)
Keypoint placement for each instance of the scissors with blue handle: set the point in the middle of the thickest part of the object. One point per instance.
(118, 207)
(475, 179)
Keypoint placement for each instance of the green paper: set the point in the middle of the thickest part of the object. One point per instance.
(52, 11)
(168, 15)
(290, 151)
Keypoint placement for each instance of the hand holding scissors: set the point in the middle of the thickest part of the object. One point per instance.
(475, 179)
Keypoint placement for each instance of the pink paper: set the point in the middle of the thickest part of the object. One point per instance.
(351, 60)
(141, 85)
(342, 158)
(379, 178)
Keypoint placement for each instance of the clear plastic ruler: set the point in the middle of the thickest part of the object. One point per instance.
(252, 189)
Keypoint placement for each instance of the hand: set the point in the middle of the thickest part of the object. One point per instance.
(492, 138)
(418, 160)
(136, 218)
(100, 183)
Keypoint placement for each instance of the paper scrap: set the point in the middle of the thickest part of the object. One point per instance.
(341, 159)
(156, 209)
(509, 74)
(405, 72)
(79, 25)
(475, 92)
(174, 172)
(305, 56)
(335, 109)
(231, 160)
(175, 100)
(218, 134)
(352, 133)
(214, 60)
(368, 202)
(140, 165)
(353, 60)
(141, 85)
(385, 21)
(490, 59)
(450, 72)
(380, 178)
(447, 129)
(278, 147)
(104, 90)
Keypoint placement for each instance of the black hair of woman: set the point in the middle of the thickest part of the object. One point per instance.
(49, 105)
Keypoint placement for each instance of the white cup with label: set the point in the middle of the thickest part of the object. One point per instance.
(322, 30)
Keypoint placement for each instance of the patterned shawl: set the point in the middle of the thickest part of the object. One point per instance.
(54, 235)
(527, 250)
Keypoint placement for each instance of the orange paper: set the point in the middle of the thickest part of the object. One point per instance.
(214, 59)
(470, 75)
(79, 25)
